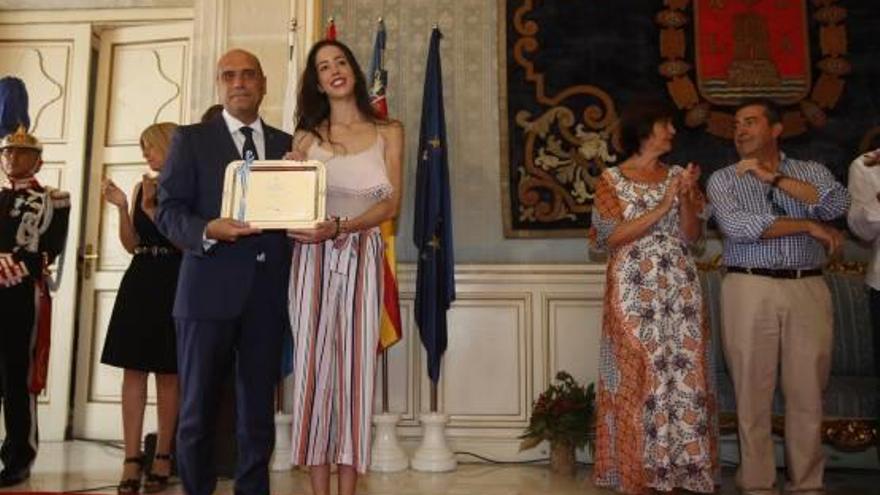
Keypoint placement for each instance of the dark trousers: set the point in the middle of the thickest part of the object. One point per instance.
(17, 312)
(206, 351)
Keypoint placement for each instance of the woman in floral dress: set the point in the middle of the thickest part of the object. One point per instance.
(655, 415)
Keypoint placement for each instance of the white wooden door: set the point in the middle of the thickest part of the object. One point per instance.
(142, 78)
(53, 61)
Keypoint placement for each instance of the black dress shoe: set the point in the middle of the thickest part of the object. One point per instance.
(10, 478)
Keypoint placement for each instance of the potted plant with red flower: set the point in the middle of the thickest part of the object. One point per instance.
(562, 415)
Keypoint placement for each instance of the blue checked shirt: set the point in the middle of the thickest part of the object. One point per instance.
(743, 213)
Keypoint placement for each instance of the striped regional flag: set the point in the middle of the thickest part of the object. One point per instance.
(390, 331)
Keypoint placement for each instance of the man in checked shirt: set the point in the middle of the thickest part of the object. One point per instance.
(775, 305)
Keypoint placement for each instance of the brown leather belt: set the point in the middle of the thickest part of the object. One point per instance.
(774, 273)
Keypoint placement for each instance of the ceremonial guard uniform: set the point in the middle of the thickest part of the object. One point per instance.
(33, 229)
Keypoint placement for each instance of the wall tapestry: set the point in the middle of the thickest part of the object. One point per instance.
(566, 69)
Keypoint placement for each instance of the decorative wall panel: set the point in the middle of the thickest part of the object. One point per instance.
(146, 86)
(45, 66)
(486, 371)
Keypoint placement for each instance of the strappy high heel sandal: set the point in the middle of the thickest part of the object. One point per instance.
(131, 486)
(155, 483)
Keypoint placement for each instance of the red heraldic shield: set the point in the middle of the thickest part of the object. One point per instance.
(752, 49)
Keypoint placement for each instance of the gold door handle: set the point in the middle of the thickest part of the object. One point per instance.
(88, 259)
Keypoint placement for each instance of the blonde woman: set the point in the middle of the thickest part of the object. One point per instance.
(140, 337)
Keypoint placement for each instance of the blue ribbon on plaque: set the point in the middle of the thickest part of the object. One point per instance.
(243, 173)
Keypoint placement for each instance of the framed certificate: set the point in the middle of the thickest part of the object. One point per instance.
(275, 194)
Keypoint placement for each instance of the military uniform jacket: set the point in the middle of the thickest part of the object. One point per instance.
(33, 230)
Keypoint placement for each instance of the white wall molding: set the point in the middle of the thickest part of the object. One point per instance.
(510, 330)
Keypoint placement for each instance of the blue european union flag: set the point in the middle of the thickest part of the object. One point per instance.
(432, 230)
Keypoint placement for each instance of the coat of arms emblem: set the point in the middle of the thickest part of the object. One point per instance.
(753, 49)
(747, 49)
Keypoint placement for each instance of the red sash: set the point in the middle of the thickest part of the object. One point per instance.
(43, 329)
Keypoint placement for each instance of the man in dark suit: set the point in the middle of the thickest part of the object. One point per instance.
(231, 303)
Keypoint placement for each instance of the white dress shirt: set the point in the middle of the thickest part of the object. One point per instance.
(234, 125)
(864, 214)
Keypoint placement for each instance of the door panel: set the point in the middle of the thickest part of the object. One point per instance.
(143, 78)
(54, 63)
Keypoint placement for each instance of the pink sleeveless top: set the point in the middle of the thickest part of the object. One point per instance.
(356, 181)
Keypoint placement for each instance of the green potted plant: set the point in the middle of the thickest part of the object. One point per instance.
(562, 415)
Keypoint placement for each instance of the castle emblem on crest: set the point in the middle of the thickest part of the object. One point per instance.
(752, 49)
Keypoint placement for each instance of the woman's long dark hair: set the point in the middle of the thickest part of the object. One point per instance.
(313, 106)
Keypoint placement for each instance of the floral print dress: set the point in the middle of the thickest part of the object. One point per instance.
(655, 419)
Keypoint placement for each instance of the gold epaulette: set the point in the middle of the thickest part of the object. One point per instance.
(60, 199)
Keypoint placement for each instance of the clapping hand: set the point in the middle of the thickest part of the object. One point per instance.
(689, 192)
(691, 175)
(672, 192)
(113, 194)
(149, 186)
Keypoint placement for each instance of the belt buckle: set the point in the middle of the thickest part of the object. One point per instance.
(749, 270)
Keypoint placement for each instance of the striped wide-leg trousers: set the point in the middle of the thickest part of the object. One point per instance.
(335, 309)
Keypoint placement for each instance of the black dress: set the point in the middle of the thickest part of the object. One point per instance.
(141, 332)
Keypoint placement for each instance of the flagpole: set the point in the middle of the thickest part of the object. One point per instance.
(384, 358)
(387, 455)
(433, 397)
(385, 407)
(432, 235)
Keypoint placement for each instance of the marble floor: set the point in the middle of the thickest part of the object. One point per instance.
(89, 467)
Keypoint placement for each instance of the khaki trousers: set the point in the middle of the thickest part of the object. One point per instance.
(768, 322)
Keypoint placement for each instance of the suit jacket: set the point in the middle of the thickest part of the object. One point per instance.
(216, 284)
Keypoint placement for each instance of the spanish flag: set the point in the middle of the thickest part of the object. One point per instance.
(390, 331)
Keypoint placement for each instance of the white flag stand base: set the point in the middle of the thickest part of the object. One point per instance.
(433, 455)
(387, 456)
(282, 457)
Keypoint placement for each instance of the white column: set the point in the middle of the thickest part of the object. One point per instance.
(304, 30)
(209, 42)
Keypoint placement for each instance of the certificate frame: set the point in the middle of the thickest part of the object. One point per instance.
(281, 194)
